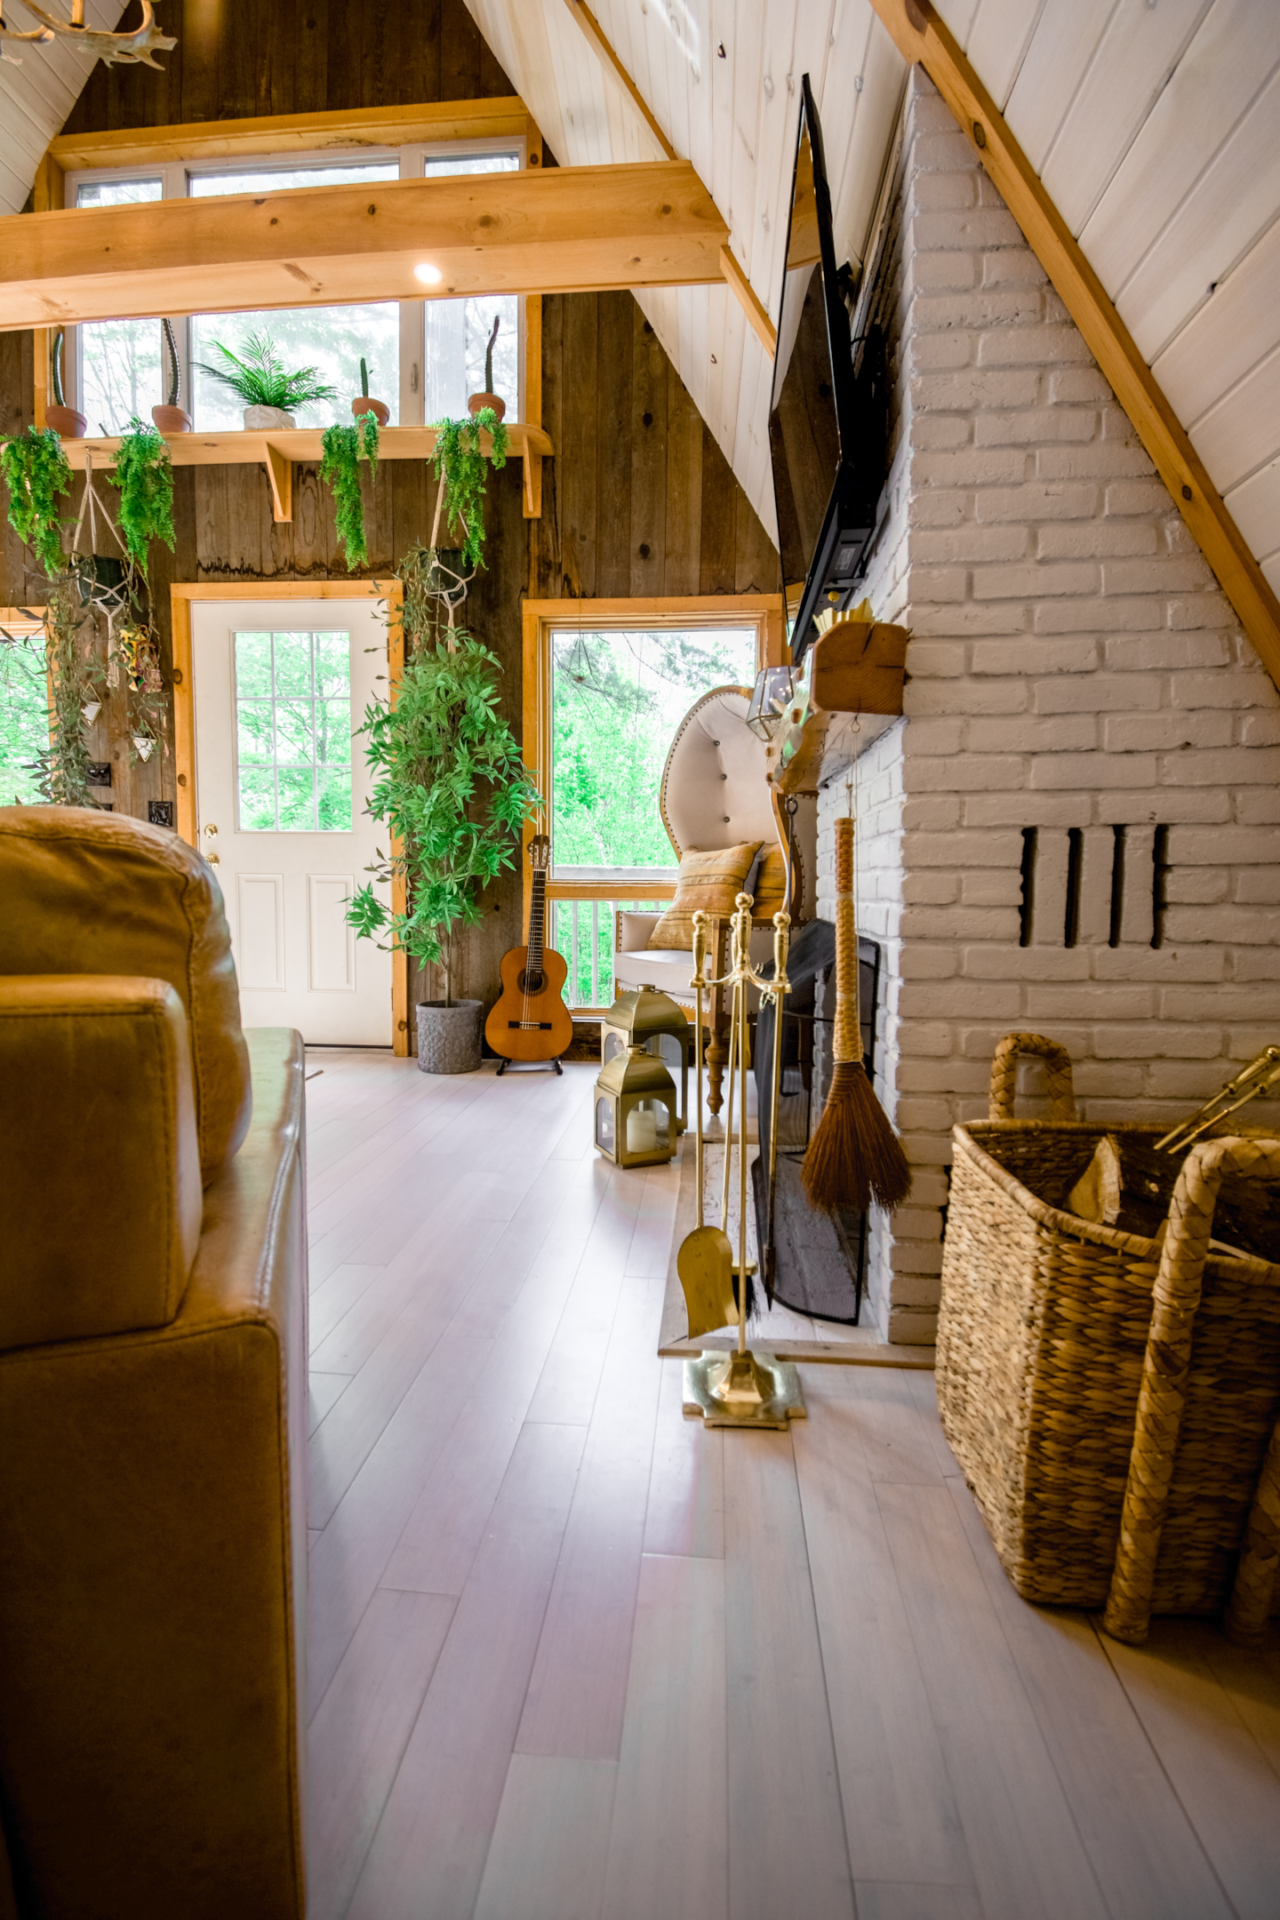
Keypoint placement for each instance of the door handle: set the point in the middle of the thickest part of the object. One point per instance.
(210, 831)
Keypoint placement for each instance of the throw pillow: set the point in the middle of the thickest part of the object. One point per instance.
(707, 883)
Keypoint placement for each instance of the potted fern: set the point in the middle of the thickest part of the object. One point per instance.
(345, 448)
(144, 474)
(450, 785)
(267, 390)
(462, 467)
(36, 471)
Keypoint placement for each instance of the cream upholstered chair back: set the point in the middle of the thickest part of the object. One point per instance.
(714, 793)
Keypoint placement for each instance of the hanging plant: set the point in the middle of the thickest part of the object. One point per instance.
(144, 474)
(344, 449)
(136, 659)
(75, 683)
(463, 469)
(36, 471)
(448, 782)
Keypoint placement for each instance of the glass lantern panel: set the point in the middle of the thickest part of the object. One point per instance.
(662, 1118)
(642, 1127)
(614, 1044)
(604, 1125)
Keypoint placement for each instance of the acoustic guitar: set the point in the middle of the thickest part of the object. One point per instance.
(531, 1021)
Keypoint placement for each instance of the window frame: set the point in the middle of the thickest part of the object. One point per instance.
(410, 155)
(763, 611)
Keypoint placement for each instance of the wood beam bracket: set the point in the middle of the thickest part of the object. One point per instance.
(923, 39)
(280, 474)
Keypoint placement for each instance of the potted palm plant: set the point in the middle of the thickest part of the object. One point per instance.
(451, 787)
(267, 389)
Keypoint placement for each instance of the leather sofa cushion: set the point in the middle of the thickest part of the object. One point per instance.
(91, 892)
(99, 1163)
(707, 882)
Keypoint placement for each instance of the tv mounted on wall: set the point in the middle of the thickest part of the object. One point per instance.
(827, 421)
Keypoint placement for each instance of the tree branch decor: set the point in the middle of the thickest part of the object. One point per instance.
(36, 472)
(344, 449)
(463, 469)
(449, 783)
(75, 679)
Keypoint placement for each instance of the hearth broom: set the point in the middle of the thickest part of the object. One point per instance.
(854, 1157)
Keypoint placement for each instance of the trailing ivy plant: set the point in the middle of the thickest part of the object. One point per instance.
(344, 449)
(36, 472)
(75, 678)
(449, 783)
(144, 474)
(464, 469)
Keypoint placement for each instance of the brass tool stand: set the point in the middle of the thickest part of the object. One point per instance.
(742, 1389)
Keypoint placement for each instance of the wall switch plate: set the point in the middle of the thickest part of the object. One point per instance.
(98, 773)
(160, 813)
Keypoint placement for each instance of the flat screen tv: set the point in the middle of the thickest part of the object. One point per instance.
(827, 422)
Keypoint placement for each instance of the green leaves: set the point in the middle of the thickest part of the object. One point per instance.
(144, 474)
(36, 471)
(261, 381)
(464, 468)
(449, 783)
(344, 449)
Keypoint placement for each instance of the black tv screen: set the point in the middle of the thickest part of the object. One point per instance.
(825, 439)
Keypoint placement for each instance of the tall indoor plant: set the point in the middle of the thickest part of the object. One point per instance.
(451, 786)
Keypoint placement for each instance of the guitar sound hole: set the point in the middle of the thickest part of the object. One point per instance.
(530, 982)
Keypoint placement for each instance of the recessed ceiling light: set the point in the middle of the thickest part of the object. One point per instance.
(430, 276)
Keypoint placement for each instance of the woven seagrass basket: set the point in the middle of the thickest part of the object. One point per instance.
(1076, 1419)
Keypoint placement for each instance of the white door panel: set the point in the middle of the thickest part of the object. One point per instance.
(281, 797)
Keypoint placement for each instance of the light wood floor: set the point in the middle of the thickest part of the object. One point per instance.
(574, 1658)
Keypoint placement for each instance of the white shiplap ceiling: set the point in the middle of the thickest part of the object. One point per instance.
(1155, 124)
(37, 95)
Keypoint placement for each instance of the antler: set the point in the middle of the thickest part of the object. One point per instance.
(115, 49)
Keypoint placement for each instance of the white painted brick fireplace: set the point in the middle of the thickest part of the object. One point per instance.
(1073, 829)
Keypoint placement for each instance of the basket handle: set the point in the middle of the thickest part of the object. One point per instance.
(1163, 1396)
(1004, 1070)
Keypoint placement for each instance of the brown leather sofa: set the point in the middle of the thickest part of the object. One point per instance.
(152, 1392)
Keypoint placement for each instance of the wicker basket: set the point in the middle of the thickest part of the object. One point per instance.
(1080, 1415)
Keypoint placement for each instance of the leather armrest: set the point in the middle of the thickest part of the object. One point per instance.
(635, 930)
(153, 1535)
(99, 1158)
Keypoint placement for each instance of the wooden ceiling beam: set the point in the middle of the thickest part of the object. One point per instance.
(736, 280)
(922, 38)
(569, 229)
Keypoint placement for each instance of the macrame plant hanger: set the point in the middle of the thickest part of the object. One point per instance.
(110, 601)
(453, 596)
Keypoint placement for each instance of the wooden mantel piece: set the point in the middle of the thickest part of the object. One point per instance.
(279, 451)
(565, 230)
(920, 35)
(856, 666)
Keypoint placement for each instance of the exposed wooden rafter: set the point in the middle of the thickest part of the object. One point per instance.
(737, 281)
(566, 230)
(922, 37)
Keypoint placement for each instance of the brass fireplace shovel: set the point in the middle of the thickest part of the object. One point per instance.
(705, 1260)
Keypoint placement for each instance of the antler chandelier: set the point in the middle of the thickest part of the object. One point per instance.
(136, 48)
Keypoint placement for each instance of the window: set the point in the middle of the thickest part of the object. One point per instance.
(603, 698)
(24, 716)
(293, 732)
(424, 356)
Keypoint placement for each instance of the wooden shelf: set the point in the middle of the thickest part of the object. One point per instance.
(279, 450)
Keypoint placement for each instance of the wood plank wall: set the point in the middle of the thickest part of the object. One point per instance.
(639, 499)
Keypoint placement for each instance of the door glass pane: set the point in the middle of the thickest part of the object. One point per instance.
(293, 732)
(24, 719)
(457, 331)
(120, 374)
(617, 699)
(333, 340)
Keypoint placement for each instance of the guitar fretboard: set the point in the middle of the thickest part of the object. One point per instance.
(537, 921)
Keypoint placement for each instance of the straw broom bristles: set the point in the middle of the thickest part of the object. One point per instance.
(854, 1157)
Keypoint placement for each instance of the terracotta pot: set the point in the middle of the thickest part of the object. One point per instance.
(262, 419)
(66, 421)
(378, 408)
(172, 419)
(478, 402)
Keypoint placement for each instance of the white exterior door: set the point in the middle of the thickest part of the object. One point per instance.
(279, 688)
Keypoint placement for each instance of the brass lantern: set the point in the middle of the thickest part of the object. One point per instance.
(636, 1110)
(770, 698)
(652, 1020)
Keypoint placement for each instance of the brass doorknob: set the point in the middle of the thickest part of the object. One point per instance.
(211, 830)
(213, 860)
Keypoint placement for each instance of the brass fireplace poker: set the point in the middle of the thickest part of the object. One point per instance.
(739, 1389)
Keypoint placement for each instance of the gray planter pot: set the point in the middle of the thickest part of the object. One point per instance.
(260, 419)
(449, 1037)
